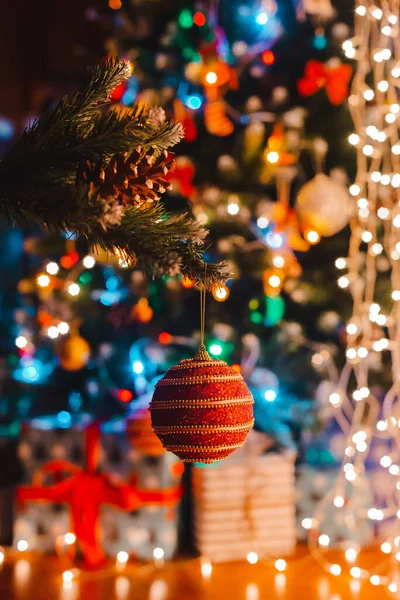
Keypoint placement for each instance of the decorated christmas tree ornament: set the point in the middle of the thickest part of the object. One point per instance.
(202, 409)
(323, 205)
(141, 435)
(74, 353)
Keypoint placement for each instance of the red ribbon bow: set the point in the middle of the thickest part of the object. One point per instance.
(335, 80)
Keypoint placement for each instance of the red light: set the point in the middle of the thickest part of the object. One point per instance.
(69, 260)
(165, 338)
(199, 19)
(118, 92)
(268, 57)
(125, 395)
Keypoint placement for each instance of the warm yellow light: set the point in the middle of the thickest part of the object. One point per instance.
(70, 538)
(52, 268)
(74, 289)
(324, 540)
(338, 501)
(351, 554)
(220, 292)
(335, 399)
(211, 77)
(233, 208)
(67, 576)
(354, 139)
(274, 281)
(335, 570)
(340, 263)
(280, 564)
(343, 282)
(22, 545)
(43, 280)
(278, 262)
(312, 236)
(89, 262)
(273, 157)
(252, 558)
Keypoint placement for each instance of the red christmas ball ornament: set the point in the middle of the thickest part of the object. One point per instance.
(141, 435)
(202, 409)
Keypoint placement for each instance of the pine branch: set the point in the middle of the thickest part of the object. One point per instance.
(91, 170)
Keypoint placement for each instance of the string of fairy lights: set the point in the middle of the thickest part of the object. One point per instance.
(372, 332)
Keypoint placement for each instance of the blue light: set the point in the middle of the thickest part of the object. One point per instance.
(320, 42)
(193, 102)
(140, 384)
(274, 240)
(75, 401)
(112, 283)
(64, 419)
(270, 395)
(109, 298)
(138, 367)
(262, 18)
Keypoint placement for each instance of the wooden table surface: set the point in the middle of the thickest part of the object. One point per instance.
(29, 576)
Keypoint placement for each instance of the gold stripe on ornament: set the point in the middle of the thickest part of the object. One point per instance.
(201, 428)
(202, 379)
(192, 363)
(201, 449)
(203, 403)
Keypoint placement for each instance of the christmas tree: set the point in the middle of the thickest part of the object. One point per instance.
(247, 85)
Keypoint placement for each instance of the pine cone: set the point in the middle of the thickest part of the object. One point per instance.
(128, 178)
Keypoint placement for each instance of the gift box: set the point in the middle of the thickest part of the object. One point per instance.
(139, 532)
(245, 504)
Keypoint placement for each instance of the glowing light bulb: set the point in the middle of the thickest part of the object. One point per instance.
(43, 280)
(233, 208)
(252, 558)
(335, 570)
(74, 289)
(307, 523)
(368, 150)
(383, 85)
(67, 576)
(278, 261)
(324, 540)
(396, 295)
(338, 501)
(387, 30)
(211, 77)
(366, 236)
(354, 189)
(262, 18)
(396, 221)
(340, 263)
(70, 538)
(262, 222)
(361, 10)
(383, 213)
(386, 461)
(376, 249)
(158, 553)
(312, 236)
(354, 139)
(390, 118)
(375, 579)
(53, 332)
(351, 353)
(270, 395)
(206, 568)
(273, 157)
(343, 282)
(21, 341)
(362, 352)
(274, 281)
(63, 328)
(335, 399)
(376, 176)
(351, 328)
(396, 149)
(376, 13)
(138, 367)
(89, 262)
(280, 564)
(369, 95)
(392, 19)
(122, 557)
(22, 545)
(52, 268)
(386, 547)
(351, 554)
(362, 203)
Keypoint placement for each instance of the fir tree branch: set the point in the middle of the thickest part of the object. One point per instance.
(91, 170)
